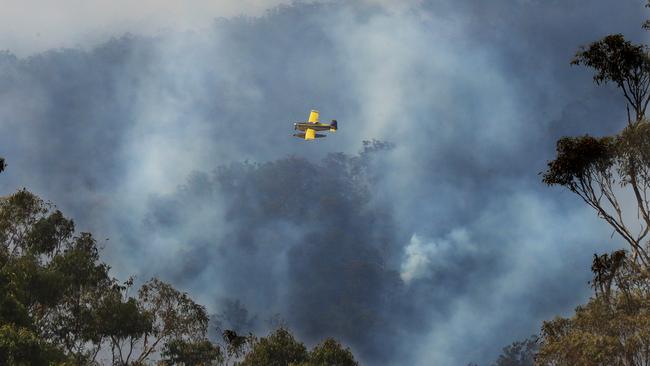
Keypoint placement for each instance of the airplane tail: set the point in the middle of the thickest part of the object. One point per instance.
(334, 126)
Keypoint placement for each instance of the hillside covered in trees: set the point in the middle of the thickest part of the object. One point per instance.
(60, 306)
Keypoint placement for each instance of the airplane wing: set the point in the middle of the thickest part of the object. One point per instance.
(313, 116)
(309, 135)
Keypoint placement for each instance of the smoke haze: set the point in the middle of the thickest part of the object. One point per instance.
(438, 246)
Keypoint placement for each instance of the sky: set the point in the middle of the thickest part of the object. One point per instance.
(165, 129)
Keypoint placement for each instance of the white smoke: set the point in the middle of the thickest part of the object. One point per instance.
(423, 257)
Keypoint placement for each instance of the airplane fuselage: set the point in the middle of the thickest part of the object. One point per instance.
(303, 126)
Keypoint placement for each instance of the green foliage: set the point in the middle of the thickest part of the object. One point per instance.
(12, 309)
(280, 348)
(331, 353)
(198, 353)
(577, 159)
(20, 346)
(614, 58)
(627, 65)
(613, 328)
(83, 280)
(18, 213)
(236, 345)
(174, 313)
(581, 160)
(171, 315)
(519, 353)
(633, 152)
(49, 233)
(59, 304)
(605, 268)
(120, 320)
(51, 277)
(601, 170)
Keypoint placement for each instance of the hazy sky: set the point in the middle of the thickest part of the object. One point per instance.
(29, 26)
(440, 250)
(37, 25)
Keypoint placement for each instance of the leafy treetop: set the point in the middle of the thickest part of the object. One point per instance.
(627, 65)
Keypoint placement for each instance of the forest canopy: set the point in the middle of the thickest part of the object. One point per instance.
(59, 305)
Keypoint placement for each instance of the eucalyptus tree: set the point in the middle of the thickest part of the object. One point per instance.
(611, 174)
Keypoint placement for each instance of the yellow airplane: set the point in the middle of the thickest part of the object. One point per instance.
(310, 127)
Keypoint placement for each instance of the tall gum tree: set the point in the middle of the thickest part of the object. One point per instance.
(613, 327)
(603, 170)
